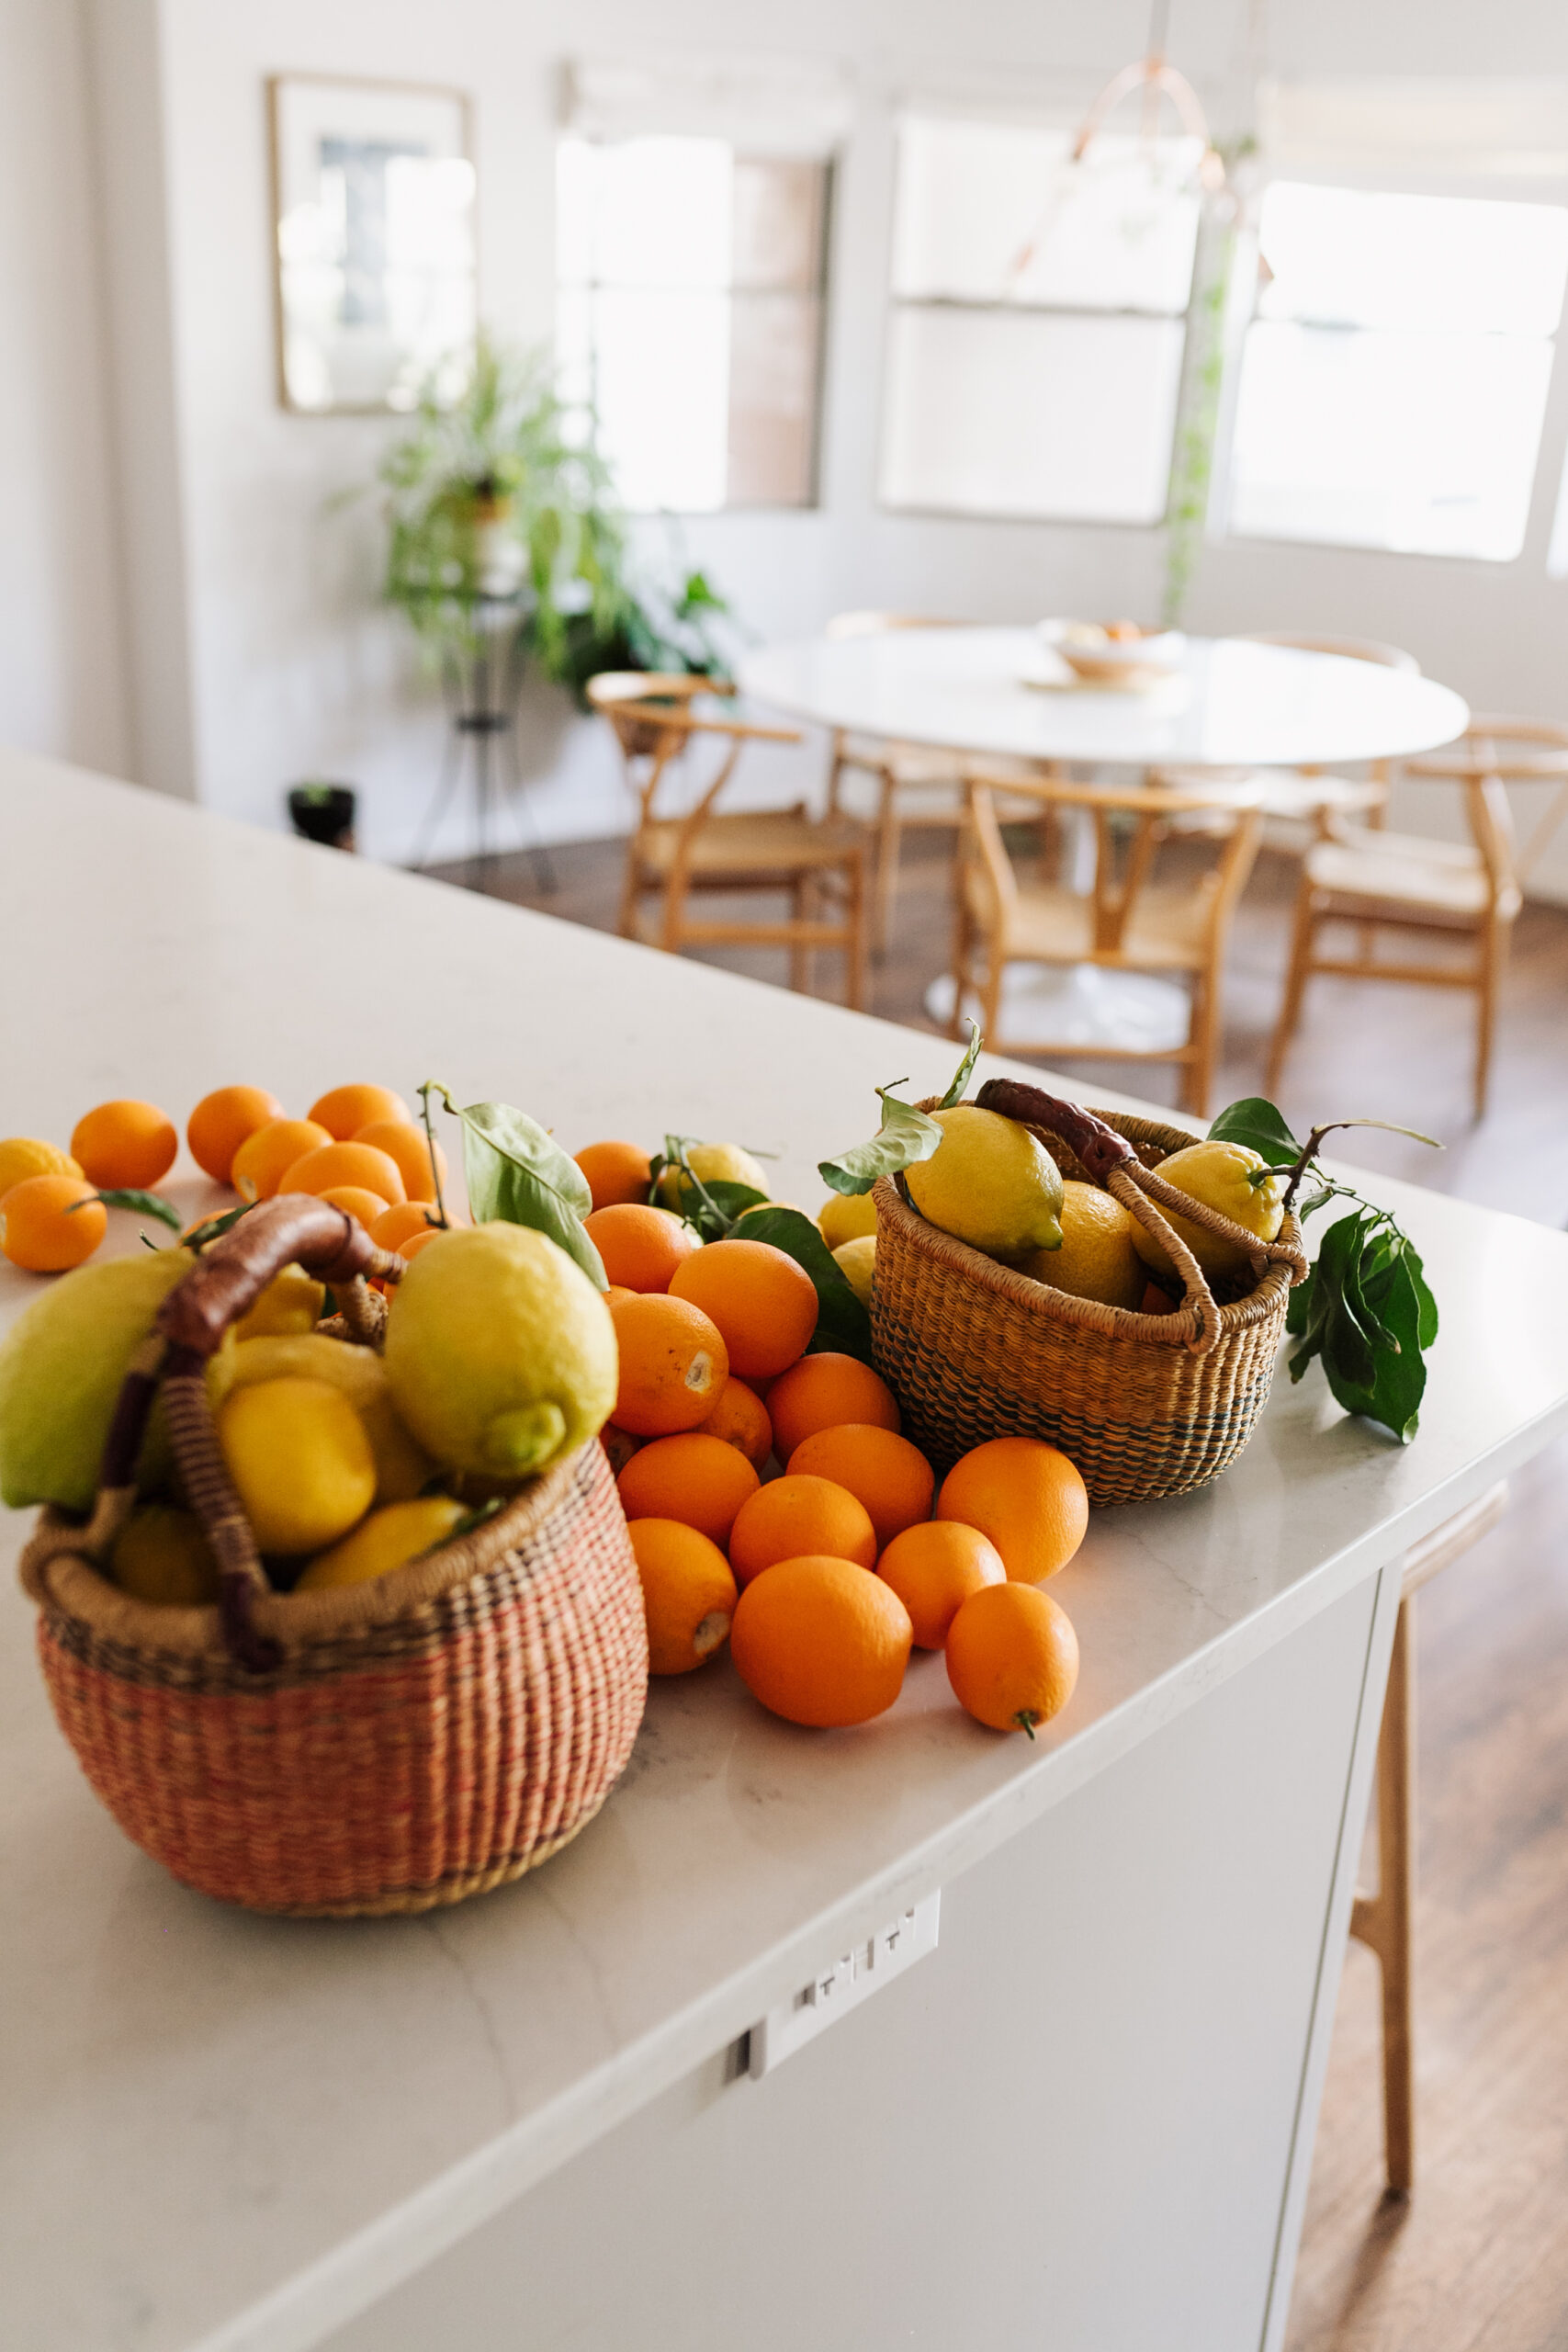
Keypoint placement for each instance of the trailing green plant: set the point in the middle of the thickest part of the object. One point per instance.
(509, 451)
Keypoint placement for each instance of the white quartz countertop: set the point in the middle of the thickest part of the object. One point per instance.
(223, 2131)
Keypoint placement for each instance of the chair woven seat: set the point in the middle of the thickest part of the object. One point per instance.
(1168, 930)
(773, 841)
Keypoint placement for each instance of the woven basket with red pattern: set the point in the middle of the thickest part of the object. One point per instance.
(380, 1748)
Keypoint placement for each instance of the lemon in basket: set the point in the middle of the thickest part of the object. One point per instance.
(403, 1469)
(162, 1555)
(61, 1366)
(297, 1452)
(500, 1352)
(384, 1542)
(1099, 1257)
(1221, 1176)
(991, 1183)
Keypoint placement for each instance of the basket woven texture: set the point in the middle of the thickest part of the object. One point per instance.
(409, 1742)
(974, 1351)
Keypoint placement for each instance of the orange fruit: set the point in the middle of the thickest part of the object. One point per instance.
(367, 1208)
(740, 1419)
(616, 1292)
(763, 1303)
(641, 1248)
(221, 1122)
(688, 1593)
(616, 1173)
(265, 1158)
(792, 1517)
(933, 1569)
(1026, 1496)
(821, 1393)
(407, 1147)
(891, 1477)
(400, 1223)
(41, 1229)
(698, 1480)
(417, 1241)
(1012, 1656)
(344, 1110)
(124, 1144)
(619, 1444)
(673, 1366)
(327, 1164)
(820, 1642)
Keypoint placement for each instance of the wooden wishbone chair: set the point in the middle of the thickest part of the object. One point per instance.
(676, 856)
(1407, 883)
(1130, 921)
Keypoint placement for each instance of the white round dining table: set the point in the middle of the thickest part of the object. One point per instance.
(1230, 703)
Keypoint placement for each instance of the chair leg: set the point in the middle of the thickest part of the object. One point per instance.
(1198, 1076)
(799, 954)
(889, 831)
(991, 994)
(963, 950)
(854, 951)
(1295, 983)
(1382, 1921)
(1493, 944)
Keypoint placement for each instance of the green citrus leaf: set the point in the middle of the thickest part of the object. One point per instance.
(905, 1136)
(961, 1075)
(517, 1174)
(1256, 1123)
(144, 1204)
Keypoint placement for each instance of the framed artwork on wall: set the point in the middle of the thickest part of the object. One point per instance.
(376, 265)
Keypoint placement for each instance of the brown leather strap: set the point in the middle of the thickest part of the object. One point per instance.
(1098, 1148)
(229, 1276)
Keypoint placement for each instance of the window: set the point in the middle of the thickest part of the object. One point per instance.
(689, 306)
(1047, 388)
(1394, 379)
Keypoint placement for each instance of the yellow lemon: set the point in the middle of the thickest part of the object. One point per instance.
(297, 1452)
(856, 1260)
(61, 1366)
(500, 1352)
(1220, 1175)
(1097, 1257)
(846, 1217)
(715, 1163)
(384, 1540)
(403, 1469)
(24, 1155)
(290, 1305)
(162, 1555)
(991, 1183)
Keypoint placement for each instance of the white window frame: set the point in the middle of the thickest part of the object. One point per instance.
(1365, 177)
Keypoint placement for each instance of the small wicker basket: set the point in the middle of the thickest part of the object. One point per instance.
(381, 1747)
(1146, 1406)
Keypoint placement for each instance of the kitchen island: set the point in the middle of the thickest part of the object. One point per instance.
(528, 2121)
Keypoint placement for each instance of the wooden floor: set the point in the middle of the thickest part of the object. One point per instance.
(1477, 2259)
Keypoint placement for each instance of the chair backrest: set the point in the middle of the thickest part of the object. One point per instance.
(1125, 854)
(1349, 649)
(651, 715)
(879, 624)
(1494, 751)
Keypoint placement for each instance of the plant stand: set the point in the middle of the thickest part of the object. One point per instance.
(480, 684)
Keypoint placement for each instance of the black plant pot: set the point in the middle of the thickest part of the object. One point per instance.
(323, 812)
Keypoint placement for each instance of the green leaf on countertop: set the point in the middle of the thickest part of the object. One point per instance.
(143, 1203)
(1256, 1123)
(517, 1174)
(1366, 1309)
(218, 1225)
(843, 1325)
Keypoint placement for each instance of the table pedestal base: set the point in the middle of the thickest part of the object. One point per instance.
(1080, 1004)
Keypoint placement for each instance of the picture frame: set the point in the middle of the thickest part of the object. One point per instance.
(374, 248)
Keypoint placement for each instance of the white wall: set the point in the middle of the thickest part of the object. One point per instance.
(293, 669)
(62, 677)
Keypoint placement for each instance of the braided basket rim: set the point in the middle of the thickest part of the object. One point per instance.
(1048, 1305)
(69, 1585)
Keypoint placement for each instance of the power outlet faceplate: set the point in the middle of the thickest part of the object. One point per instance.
(843, 1984)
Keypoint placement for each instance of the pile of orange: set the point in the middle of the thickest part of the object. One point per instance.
(772, 1497)
(357, 1146)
